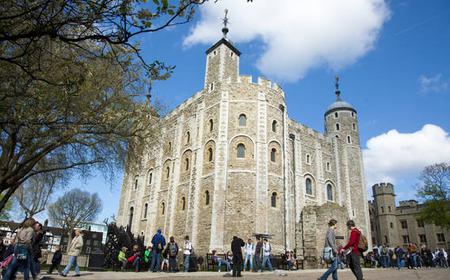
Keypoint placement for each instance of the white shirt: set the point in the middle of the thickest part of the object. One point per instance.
(266, 249)
(187, 247)
(249, 249)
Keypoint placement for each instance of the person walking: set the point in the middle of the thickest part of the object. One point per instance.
(74, 251)
(56, 260)
(330, 242)
(236, 249)
(172, 252)
(22, 251)
(258, 251)
(187, 251)
(355, 255)
(36, 254)
(267, 249)
(158, 242)
(249, 250)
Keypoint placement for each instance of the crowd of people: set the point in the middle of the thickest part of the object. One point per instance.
(412, 257)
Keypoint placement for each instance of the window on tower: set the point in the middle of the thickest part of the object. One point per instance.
(349, 139)
(240, 152)
(336, 115)
(330, 192)
(210, 154)
(337, 127)
(354, 126)
(274, 199)
(242, 120)
(404, 224)
(206, 197)
(183, 203)
(274, 126)
(273, 153)
(211, 125)
(308, 186)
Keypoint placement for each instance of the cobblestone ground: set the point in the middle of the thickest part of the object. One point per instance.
(375, 274)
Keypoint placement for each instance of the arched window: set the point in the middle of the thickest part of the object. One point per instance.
(130, 217)
(308, 159)
(273, 199)
(354, 126)
(329, 192)
(150, 178)
(136, 182)
(337, 126)
(145, 210)
(274, 126)
(206, 197)
(210, 154)
(242, 120)
(273, 153)
(337, 136)
(186, 164)
(188, 137)
(309, 188)
(169, 147)
(163, 208)
(240, 151)
(349, 140)
(328, 166)
(167, 172)
(211, 125)
(336, 115)
(183, 203)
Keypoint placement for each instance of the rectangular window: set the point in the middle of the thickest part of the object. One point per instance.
(405, 239)
(423, 238)
(382, 209)
(404, 224)
(420, 223)
(440, 237)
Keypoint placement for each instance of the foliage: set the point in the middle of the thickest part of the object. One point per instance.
(434, 190)
(74, 208)
(5, 212)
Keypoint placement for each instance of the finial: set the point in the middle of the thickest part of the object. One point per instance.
(337, 91)
(225, 23)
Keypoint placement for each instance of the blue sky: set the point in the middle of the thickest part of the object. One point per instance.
(398, 85)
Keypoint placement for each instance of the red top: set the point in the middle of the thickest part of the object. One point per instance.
(353, 241)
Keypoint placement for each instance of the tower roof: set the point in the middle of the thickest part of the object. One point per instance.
(339, 104)
(224, 39)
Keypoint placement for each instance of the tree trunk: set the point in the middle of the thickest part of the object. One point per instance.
(7, 196)
(69, 234)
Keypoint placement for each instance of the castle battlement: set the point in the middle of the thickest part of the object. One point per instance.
(383, 188)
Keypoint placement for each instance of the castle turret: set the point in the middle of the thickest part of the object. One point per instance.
(384, 208)
(341, 120)
(222, 61)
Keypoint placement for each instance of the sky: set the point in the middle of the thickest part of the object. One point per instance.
(393, 59)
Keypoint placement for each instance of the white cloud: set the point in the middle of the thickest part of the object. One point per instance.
(394, 155)
(296, 35)
(432, 84)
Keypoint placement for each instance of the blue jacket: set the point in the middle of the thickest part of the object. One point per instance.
(158, 238)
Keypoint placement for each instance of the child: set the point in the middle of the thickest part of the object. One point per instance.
(122, 257)
(56, 260)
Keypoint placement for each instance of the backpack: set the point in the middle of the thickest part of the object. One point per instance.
(327, 254)
(363, 245)
(173, 249)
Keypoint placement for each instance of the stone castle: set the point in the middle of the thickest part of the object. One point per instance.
(230, 161)
(398, 225)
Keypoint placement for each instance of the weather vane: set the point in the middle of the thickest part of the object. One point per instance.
(225, 23)
(338, 92)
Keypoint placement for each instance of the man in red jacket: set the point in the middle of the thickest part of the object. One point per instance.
(353, 242)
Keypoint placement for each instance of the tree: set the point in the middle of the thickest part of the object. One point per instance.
(33, 196)
(69, 76)
(74, 208)
(434, 190)
(5, 212)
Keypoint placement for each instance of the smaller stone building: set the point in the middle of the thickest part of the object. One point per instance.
(399, 225)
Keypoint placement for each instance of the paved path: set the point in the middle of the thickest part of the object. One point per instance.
(375, 274)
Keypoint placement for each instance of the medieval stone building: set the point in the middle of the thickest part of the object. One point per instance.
(230, 161)
(398, 225)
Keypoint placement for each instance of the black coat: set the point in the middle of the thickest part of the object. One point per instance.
(236, 247)
(57, 257)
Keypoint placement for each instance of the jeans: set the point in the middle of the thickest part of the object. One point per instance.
(332, 270)
(172, 264)
(266, 260)
(400, 263)
(15, 265)
(413, 259)
(156, 261)
(246, 260)
(355, 266)
(72, 262)
(257, 262)
(186, 262)
(35, 267)
(220, 262)
(137, 264)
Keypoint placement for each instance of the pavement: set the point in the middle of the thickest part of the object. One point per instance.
(313, 274)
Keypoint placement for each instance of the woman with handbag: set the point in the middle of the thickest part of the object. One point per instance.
(22, 251)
